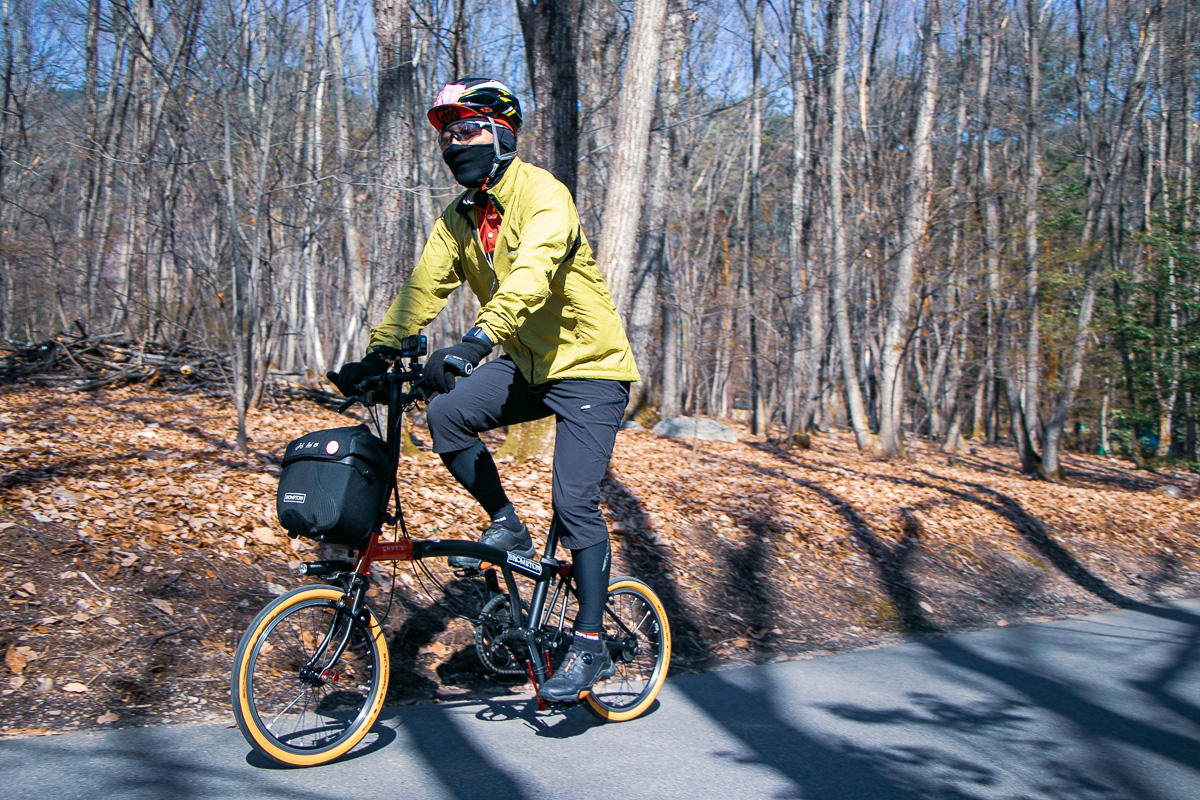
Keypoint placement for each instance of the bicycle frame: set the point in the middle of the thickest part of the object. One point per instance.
(527, 618)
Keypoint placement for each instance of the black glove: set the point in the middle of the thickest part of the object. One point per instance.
(443, 365)
(352, 374)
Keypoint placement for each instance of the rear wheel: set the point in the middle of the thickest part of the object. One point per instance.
(293, 702)
(639, 642)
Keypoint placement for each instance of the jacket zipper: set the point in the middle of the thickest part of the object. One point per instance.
(495, 286)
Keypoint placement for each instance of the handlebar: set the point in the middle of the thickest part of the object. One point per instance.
(378, 389)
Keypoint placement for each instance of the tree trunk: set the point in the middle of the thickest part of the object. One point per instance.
(1033, 171)
(360, 291)
(623, 197)
(243, 316)
(396, 137)
(867, 441)
(916, 216)
(806, 316)
(551, 31)
(654, 283)
(310, 253)
(759, 418)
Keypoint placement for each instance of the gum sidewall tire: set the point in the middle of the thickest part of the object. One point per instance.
(635, 711)
(243, 714)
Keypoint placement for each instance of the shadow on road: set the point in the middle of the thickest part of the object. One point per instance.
(820, 767)
(940, 745)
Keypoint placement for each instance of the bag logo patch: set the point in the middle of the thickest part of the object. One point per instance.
(294, 497)
(332, 447)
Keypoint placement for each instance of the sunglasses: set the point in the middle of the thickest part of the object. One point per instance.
(462, 132)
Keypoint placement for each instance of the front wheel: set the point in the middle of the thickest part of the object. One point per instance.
(294, 702)
(639, 641)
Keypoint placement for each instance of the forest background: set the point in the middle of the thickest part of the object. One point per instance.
(934, 219)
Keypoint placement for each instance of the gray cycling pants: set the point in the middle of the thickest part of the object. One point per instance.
(587, 411)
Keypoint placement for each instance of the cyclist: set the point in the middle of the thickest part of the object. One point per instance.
(514, 237)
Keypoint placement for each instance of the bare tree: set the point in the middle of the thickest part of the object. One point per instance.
(396, 137)
(550, 30)
(867, 441)
(623, 197)
(1101, 212)
(807, 300)
(916, 215)
(358, 319)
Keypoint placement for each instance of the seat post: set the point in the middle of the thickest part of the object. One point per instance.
(551, 539)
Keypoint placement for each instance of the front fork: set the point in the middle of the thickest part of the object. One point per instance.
(313, 672)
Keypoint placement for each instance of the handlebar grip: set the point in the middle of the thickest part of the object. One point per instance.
(459, 366)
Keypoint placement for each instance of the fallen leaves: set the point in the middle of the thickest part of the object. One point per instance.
(437, 649)
(750, 540)
(163, 606)
(264, 535)
(16, 658)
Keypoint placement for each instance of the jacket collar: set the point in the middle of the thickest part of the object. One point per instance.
(501, 194)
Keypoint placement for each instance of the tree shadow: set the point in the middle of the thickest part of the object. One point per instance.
(133, 762)
(1033, 531)
(1088, 473)
(1002, 727)
(1161, 686)
(176, 425)
(465, 770)
(747, 590)
(65, 468)
(988, 717)
(745, 595)
(1091, 720)
(645, 560)
(819, 766)
(892, 563)
(1099, 476)
(424, 622)
(572, 720)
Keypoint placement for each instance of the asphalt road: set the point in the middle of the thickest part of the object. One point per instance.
(1105, 707)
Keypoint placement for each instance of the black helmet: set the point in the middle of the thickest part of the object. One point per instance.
(476, 97)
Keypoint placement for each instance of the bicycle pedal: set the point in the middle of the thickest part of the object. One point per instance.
(558, 705)
(467, 572)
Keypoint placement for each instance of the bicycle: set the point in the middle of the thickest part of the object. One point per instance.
(310, 674)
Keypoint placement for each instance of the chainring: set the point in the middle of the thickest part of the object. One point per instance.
(494, 620)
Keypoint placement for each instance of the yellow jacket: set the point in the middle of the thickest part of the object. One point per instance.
(543, 299)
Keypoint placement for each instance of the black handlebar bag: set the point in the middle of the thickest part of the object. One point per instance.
(333, 485)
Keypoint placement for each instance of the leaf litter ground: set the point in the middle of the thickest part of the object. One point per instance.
(136, 544)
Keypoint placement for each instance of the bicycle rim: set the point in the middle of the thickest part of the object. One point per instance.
(634, 616)
(302, 719)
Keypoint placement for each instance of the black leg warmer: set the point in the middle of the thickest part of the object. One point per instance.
(591, 567)
(476, 471)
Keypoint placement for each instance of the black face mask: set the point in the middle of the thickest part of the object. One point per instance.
(472, 163)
